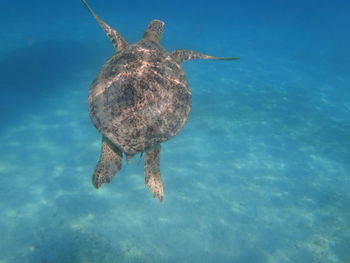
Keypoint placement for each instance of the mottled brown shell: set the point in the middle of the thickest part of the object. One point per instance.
(140, 97)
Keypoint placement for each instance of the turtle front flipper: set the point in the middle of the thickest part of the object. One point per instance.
(152, 172)
(109, 163)
(118, 41)
(181, 55)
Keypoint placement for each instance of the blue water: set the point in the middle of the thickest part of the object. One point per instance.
(259, 174)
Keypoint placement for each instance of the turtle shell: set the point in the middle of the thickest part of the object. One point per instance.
(140, 97)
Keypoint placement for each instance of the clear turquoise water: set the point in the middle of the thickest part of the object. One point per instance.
(260, 173)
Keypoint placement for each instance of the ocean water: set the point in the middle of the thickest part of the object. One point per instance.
(259, 174)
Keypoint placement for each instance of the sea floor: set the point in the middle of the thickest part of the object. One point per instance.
(260, 173)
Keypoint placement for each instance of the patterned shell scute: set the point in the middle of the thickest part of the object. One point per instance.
(140, 97)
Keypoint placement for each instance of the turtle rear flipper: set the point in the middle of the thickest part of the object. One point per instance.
(152, 172)
(108, 165)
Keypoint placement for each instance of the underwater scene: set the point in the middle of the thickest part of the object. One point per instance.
(260, 172)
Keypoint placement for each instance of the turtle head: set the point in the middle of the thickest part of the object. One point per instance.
(154, 31)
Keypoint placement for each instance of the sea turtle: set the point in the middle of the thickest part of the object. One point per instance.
(139, 99)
